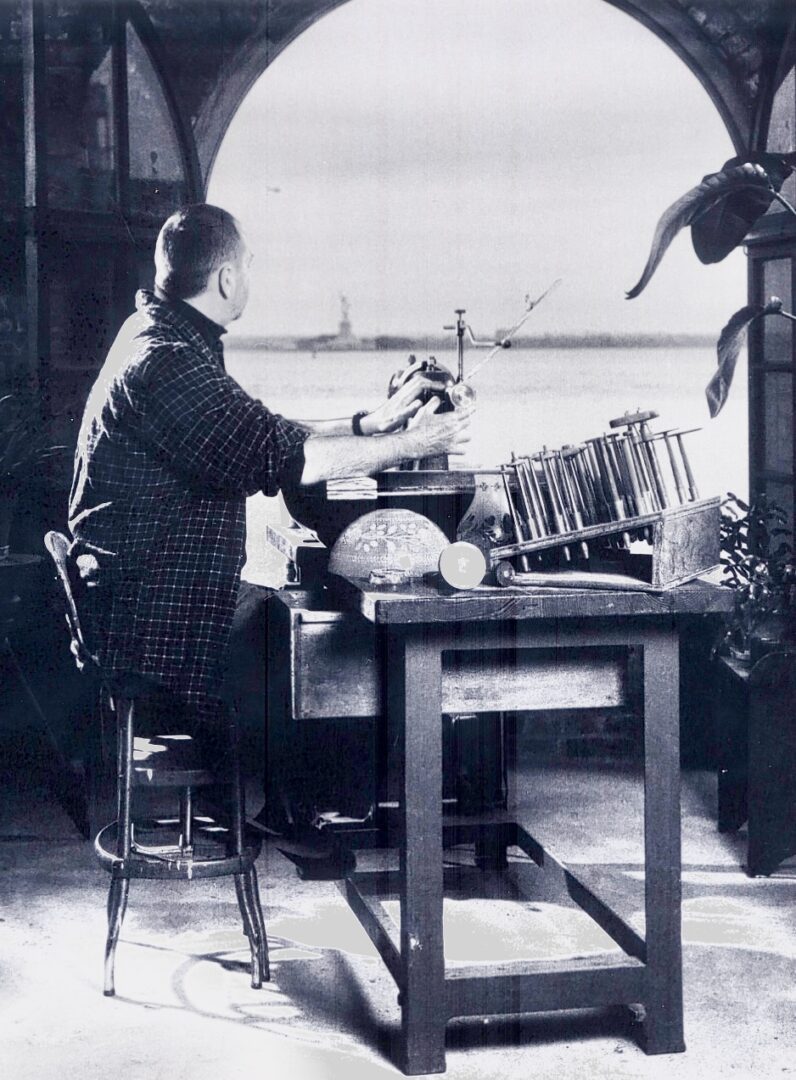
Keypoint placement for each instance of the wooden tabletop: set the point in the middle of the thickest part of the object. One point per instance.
(420, 602)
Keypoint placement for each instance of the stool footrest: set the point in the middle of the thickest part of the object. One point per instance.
(209, 856)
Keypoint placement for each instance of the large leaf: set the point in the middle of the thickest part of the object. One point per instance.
(729, 347)
(745, 179)
(723, 226)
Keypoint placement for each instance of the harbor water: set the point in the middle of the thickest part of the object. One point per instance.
(528, 398)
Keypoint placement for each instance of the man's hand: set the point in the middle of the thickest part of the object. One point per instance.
(403, 403)
(333, 457)
(446, 433)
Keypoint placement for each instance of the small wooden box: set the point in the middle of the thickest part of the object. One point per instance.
(685, 544)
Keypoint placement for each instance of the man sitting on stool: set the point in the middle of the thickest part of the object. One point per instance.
(169, 448)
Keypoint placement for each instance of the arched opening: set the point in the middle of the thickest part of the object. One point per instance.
(419, 157)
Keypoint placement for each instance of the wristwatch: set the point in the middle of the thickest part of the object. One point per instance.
(356, 422)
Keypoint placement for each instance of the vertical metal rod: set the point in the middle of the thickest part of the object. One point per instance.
(626, 480)
(574, 483)
(687, 465)
(515, 521)
(186, 820)
(655, 465)
(648, 497)
(581, 484)
(613, 477)
(538, 496)
(617, 479)
(530, 515)
(591, 482)
(678, 476)
(643, 471)
(555, 499)
(569, 488)
(460, 327)
(564, 501)
(602, 494)
(625, 452)
(527, 510)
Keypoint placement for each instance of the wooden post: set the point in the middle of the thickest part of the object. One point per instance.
(663, 1023)
(414, 703)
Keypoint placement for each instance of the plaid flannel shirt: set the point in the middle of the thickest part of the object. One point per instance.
(169, 448)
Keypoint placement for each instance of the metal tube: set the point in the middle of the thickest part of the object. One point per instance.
(555, 499)
(569, 488)
(634, 451)
(587, 494)
(654, 463)
(679, 483)
(538, 496)
(625, 453)
(687, 465)
(515, 521)
(620, 483)
(565, 502)
(615, 477)
(528, 510)
(186, 821)
(643, 471)
(602, 494)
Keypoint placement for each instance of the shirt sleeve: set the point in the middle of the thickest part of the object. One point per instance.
(208, 429)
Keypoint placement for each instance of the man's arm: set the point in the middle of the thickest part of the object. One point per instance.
(390, 415)
(205, 427)
(337, 456)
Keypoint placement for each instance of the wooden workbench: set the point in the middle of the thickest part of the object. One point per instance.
(422, 629)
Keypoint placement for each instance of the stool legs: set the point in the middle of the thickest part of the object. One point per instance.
(250, 926)
(117, 905)
(120, 886)
(126, 860)
(246, 883)
(260, 923)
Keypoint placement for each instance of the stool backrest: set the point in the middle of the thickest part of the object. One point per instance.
(58, 547)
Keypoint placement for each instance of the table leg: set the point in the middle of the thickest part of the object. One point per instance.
(732, 749)
(663, 1024)
(415, 703)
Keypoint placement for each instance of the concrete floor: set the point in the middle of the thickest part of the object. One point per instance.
(184, 1007)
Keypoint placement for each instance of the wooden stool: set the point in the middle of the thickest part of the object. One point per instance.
(195, 846)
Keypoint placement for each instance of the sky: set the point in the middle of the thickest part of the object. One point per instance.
(424, 155)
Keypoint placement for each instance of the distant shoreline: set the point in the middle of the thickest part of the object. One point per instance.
(421, 343)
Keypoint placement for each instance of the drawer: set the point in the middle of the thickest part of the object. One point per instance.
(333, 665)
(335, 671)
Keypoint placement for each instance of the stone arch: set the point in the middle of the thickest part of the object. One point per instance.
(666, 20)
(677, 29)
(238, 76)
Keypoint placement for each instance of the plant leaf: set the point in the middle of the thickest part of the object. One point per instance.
(749, 179)
(728, 350)
(722, 226)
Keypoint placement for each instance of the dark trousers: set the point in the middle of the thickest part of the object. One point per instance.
(244, 687)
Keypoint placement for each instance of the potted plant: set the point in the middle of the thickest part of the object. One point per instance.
(23, 448)
(758, 563)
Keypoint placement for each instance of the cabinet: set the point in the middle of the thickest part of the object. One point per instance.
(756, 739)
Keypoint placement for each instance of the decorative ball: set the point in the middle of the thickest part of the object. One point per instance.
(462, 565)
(393, 543)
